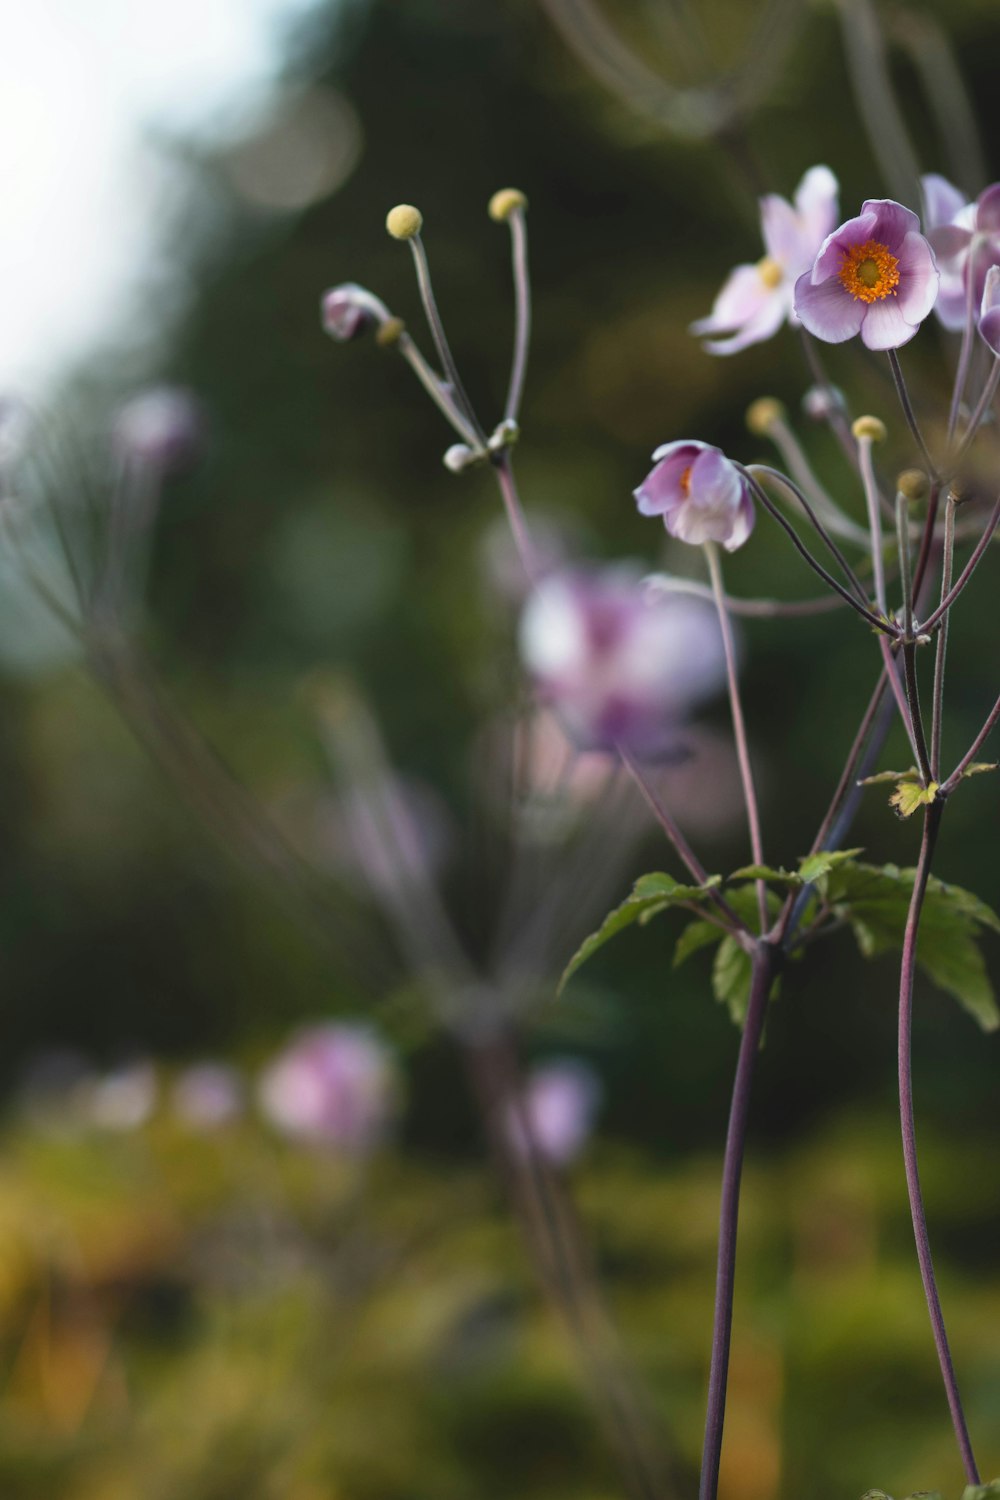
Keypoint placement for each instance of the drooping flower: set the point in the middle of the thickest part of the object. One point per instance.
(616, 665)
(558, 1105)
(700, 494)
(331, 1086)
(876, 275)
(989, 310)
(965, 238)
(349, 310)
(757, 299)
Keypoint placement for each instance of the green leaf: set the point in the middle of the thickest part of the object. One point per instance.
(910, 795)
(881, 777)
(696, 935)
(731, 975)
(876, 902)
(813, 866)
(766, 872)
(651, 894)
(989, 1491)
(976, 769)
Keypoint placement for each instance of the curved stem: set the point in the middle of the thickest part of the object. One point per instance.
(824, 536)
(739, 725)
(937, 713)
(967, 572)
(932, 822)
(874, 519)
(441, 344)
(765, 962)
(503, 469)
(968, 333)
(908, 413)
(522, 312)
(947, 787)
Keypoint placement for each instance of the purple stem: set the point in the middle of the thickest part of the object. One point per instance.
(947, 787)
(932, 823)
(765, 960)
(966, 572)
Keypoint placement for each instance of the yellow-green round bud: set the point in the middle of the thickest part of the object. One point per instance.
(960, 492)
(762, 414)
(913, 485)
(404, 221)
(869, 427)
(390, 332)
(505, 202)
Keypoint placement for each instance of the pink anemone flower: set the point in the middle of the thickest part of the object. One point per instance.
(700, 493)
(965, 237)
(756, 299)
(876, 275)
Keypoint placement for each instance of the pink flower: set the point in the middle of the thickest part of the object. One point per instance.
(559, 1103)
(876, 275)
(989, 310)
(348, 311)
(162, 427)
(701, 496)
(965, 237)
(615, 665)
(757, 299)
(331, 1086)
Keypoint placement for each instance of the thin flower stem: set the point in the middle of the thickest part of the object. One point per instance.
(903, 544)
(916, 718)
(682, 848)
(937, 709)
(432, 385)
(948, 786)
(765, 962)
(968, 333)
(932, 821)
(522, 312)
(926, 543)
(884, 626)
(826, 507)
(899, 694)
(838, 416)
(967, 572)
(503, 468)
(739, 726)
(982, 406)
(874, 519)
(765, 609)
(828, 542)
(441, 344)
(908, 413)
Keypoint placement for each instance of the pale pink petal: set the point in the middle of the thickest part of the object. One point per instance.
(988, 210)
(893, 221)
(884, 326)
(827, 310)
(942, 201)
(918, 278)
(950, 242)
(951, 303)
(780, 227)
(740, 298)
(836, 245)
(763, 325)
(816, 200)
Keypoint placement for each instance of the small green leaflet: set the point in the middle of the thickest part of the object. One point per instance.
(651, 894)
(910, 791)
(811, 867)
(876, 901)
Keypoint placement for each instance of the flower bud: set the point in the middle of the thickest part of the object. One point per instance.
(404, 221)
(912, 484)
(821, 402)
(869, 427)
(161, 428)
(458, 457)
(348, 311)
(762, 414)
(506, 202)
(390, 332)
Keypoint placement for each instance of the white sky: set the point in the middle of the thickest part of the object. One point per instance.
(81, 82)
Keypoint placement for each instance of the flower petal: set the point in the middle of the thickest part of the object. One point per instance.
(884, 326)
(816, 201)
(827, 310)
(836, 245)
(950, 242)
(742, 295)
(765, 322)
(893, 222)
(942, 200)
(988, 210)
(780, 228)
(918, 278)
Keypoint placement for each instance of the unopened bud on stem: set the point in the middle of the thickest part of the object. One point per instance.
(506, 202)
(869, 427)
(404, 221)
(762, 414)
(913, 485)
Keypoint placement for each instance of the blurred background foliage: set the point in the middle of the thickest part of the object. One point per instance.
(225, 1316)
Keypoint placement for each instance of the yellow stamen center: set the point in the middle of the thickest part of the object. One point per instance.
(685, 481)
(869, 272)
(770, 272)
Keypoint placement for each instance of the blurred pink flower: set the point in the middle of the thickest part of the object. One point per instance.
(207, 1095)
(700, 494)
(615, 665)
(559, 1104)
(757, 299)
(333, 1086)
(965, 237)
(162, 427)
(989, 310)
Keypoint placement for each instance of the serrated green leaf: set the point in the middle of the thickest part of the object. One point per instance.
(651, 894)
(977, 768)
(731, 974)
(696, 935)
(909, 795)
(766, 872)
(876, 902)
(881, 777)
(814, 866)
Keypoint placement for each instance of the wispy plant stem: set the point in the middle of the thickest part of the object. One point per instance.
(441, 344)
(952, 594)
(765, 962)
(908, 412)
(522, 312)
(932, 822)
(937, 708)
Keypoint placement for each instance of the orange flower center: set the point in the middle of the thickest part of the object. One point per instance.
(869, 272)
(685, 481)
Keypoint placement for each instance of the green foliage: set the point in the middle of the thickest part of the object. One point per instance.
(651, 894)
